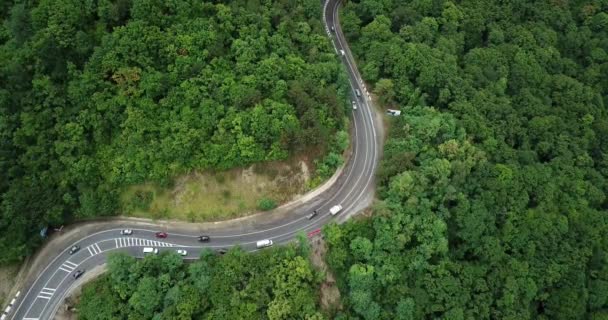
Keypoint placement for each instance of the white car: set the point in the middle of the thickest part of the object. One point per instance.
(126, 232)
(263, 243)
(149, 250)
(182, 252)
(335, 209)
(354, 105)
(342, 53)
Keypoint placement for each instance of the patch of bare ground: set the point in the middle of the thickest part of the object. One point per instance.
(330, 294)
(213, 196)
(8, 277)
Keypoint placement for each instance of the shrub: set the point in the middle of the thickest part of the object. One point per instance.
(266, 204)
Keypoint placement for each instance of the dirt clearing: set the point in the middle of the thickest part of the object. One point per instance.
(213, 196)
(330, 294)
(8, 276)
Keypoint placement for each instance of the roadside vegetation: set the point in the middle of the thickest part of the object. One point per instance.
(221, 195)
(97, 96)
(278, 283)
(493, 183)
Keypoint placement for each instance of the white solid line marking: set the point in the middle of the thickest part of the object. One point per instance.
(116, 242)
(62, 269)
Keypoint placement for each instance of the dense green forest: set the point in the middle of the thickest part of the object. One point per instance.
(493, 184)
(96, 95)
(274, 284)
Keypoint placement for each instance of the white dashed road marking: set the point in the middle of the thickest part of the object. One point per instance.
(135, 242)
(94, 249)
(68, 266)
(46, 293)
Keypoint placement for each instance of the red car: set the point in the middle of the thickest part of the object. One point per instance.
(161, 234)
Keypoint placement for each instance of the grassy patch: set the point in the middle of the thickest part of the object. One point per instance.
(8, 276)
(217, 196)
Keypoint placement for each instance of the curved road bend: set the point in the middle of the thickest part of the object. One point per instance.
(44, 294)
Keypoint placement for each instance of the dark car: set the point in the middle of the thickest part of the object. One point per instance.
(161, 235)
(74, 249)
(203, 238)
(77, 274)
(312, 215)
(221, 251)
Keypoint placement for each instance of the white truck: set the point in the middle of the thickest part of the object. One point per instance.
(335, 209)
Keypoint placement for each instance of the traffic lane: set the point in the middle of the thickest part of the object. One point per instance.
(133, 246)
(63, 269)
(64, 264)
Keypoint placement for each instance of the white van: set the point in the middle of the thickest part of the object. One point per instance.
(335, 209)
(150, 250)
(263, 243)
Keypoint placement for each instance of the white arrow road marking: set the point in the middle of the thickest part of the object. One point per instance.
(46, 293)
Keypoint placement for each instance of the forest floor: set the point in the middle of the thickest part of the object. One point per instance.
(213, 196)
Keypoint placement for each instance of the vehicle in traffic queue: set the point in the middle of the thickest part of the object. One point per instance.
(263, 243)
(74, 249)
(335, 209)
(312, 215)
(77, 274)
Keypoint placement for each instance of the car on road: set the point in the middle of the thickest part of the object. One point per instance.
(182, 252)
(354, 105)
(221, 250)
(312, 215)
(358, 93)
(342, 53)
(203, 238)
(150, 250)
(333, 29)
(126, 232)
(77, 274)
(335, 209)
(161, 235)
(263, 243)
(74, 249)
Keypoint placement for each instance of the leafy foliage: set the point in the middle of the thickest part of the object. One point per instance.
(266, 204)
(493, 181)
(273, 284)
(97, 95)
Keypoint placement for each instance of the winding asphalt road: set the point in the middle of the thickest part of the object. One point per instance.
(352, 189)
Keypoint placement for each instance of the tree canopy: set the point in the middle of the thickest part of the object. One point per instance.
(98, 95)
(493, 183)
(274, 284)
